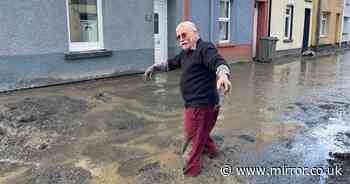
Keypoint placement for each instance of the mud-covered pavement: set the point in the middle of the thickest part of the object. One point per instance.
(126, 130)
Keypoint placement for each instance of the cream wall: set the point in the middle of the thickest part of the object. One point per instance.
(277, 22)
(335, 8)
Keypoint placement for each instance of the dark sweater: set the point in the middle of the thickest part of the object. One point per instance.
(198, 79)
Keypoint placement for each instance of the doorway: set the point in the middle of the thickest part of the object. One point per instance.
(160, 31)
(306, 29)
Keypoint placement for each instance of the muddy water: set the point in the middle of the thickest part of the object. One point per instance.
(126, 130)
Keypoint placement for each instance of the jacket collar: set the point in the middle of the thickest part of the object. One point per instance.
(195, 46)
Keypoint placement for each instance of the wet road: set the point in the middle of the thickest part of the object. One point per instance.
(125, 130)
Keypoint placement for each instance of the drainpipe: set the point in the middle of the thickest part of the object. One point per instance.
(186, 10)
(211, 21)
(269, 26)
(318, 22)
(342, 26)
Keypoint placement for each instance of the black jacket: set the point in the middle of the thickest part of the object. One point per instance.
(198, 79)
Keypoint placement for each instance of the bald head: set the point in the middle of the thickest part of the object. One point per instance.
(187, 34)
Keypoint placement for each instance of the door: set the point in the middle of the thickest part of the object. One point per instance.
(306, 29)
(160, 31)
(346, 28)
(260, 26)
(255, 29)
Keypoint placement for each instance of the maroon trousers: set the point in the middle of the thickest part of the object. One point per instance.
(198, 123)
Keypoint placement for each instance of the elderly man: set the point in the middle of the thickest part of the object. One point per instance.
(204, 71)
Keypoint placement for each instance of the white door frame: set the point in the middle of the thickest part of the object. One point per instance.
(161, 40)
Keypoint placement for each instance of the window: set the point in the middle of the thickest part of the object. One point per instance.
(346, 25)
(156, 23)
(224, 21)
(288, 23)
(324, 24)
(85, 25)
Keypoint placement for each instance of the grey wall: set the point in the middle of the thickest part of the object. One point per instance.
(46, 69)
(33, 42)
(243, 21)
(200, 12)
(33, 27)
(175, 15)
(205, 14)
(125, 25)
(40, 26)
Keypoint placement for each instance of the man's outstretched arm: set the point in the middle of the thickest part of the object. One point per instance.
(216, 63)
(170, 64)
(156, 67)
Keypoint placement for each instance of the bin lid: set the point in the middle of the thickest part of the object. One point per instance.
(269, 38)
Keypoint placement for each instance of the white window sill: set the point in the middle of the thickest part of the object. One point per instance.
(224, 41)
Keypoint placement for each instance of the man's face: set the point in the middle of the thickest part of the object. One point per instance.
(186, 37)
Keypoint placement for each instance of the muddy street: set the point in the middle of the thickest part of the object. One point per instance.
(125, 130)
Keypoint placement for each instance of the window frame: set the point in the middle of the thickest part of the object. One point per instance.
(324, 17)
(290, 23)
(346, 25)
(87, 46)
(225, 20)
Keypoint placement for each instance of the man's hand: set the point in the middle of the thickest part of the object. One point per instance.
(223, 82)
(149, 72)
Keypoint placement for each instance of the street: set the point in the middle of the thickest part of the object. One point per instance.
(127, 130)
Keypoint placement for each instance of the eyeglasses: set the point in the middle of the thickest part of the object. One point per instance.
(181, 36)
